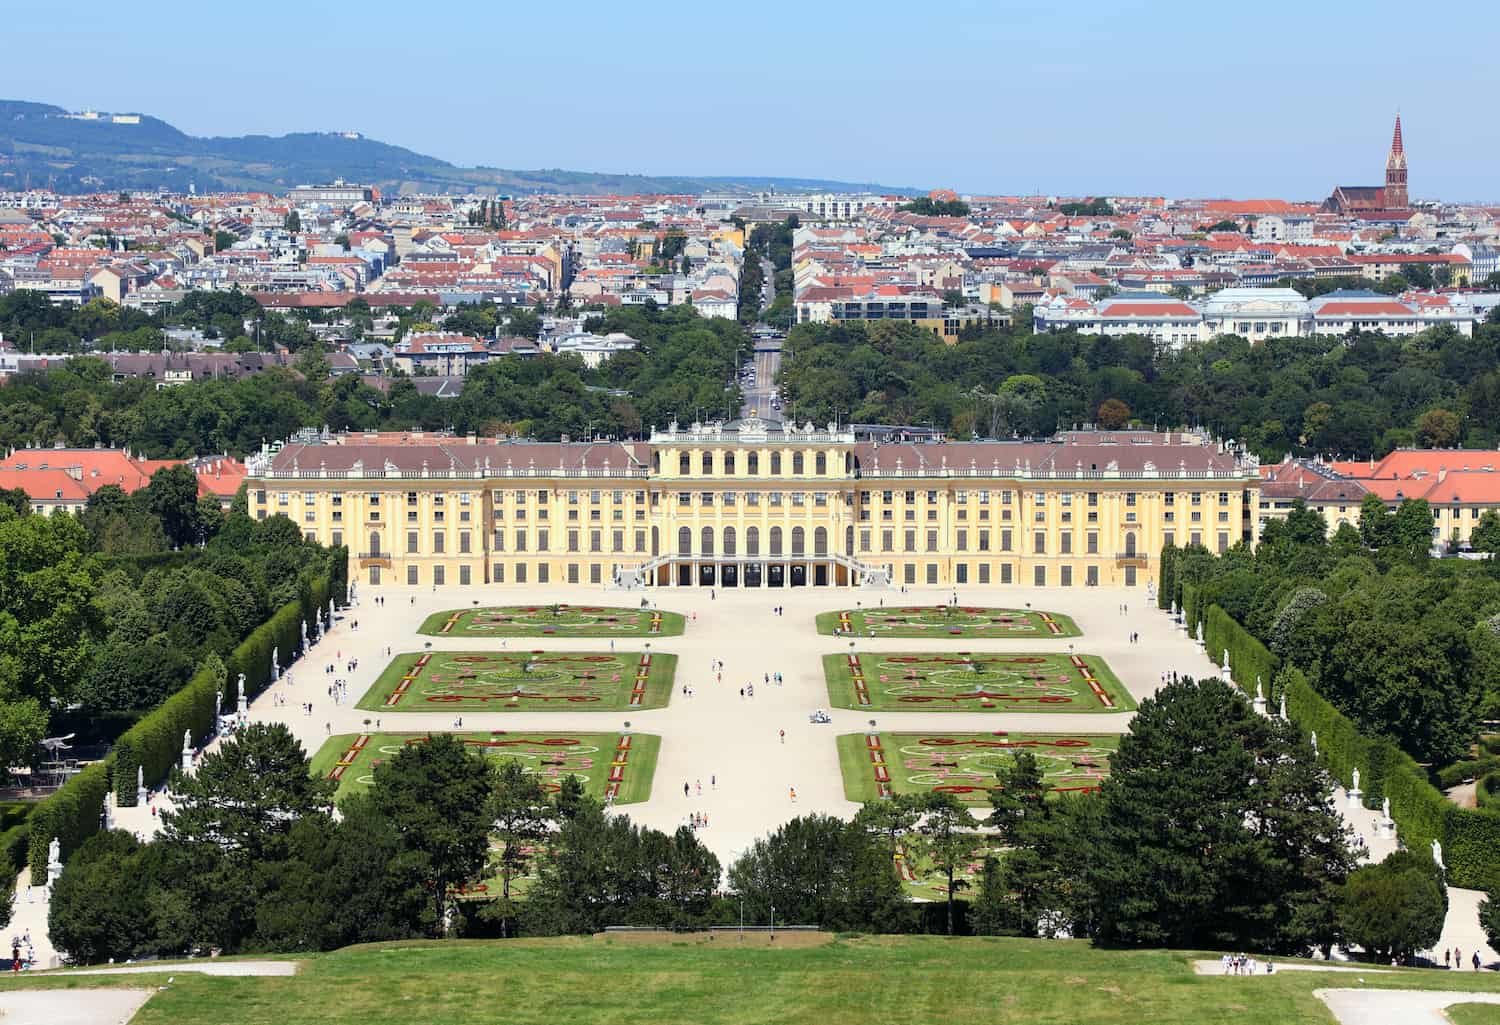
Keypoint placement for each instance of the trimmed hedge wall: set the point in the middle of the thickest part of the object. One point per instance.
(1248, 658)
(1190, 610)
(1471, 768)
(154, 743)
(1470, 838)
(71, 814)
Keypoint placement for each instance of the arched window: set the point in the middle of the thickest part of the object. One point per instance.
(656, 462)
(684, 464)
(728, 462)
(655, 542)
(1130, 543)
(820, 463)
(752, 540)
(753, 461)
(775, 540)
(796, 464)
(685, 541)
(820, 541)
(707, 547)
(775, 464)
(708, 464)
(729, 539)
(848, 540)
(799, 541)
(374, 542)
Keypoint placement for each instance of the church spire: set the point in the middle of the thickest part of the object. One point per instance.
(1395, 171)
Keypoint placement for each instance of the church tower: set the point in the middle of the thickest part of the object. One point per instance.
(1395, 172)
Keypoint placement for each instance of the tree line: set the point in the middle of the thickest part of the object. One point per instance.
(1215, 829)
(105, 614)
(1356, 396)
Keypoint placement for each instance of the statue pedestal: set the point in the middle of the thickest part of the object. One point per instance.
(140, 797)
(1260, 706)
(1386, 829)
(243, 707)
(1356, 798)
(187, 760)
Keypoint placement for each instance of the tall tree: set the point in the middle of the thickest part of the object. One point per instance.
(436, 792)
(523, 816)
(948, 840)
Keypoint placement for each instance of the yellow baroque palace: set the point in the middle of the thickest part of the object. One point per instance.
(757, 503)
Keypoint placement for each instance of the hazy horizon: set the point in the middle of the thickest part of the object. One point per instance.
(980, 98)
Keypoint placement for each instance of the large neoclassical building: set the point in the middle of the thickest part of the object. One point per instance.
(756, 503)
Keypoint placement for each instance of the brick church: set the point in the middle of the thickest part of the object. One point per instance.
(1376, 201)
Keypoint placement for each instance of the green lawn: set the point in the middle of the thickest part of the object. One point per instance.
(1474, 1014)
(522, 680)
(964, 764)
(650, 981)
(552, 621)
(592, 757)
(947, 621)
(906, 681)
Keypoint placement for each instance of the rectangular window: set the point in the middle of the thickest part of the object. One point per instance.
(617, 541)
(984, 540)
(984, 569)
(437, 542)
(909, 574)
(911, 540)
(498, 576)
(594, 573)
(640, 540)
(572, 540)
(932, 573)
(1005, 573)
(961, 573)
(572, 572)
(338, 538)
(887, 540)
(1005, 540)
(543, 573)
(1039, 576)
(961, 540)
(1039, 542)
(596, 543)
(541, 540)
(1067, 544)
(520, 572)
(438, 577)
(411, 542)
(463, 574)
(1092, 543)
(1066, 573)
(520, 547)
(411, 575)
(463, 542)
(932, 540)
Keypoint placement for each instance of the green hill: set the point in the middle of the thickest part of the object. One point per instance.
(41, 146)
(798, 980)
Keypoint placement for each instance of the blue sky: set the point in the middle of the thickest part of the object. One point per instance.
(1187, 99)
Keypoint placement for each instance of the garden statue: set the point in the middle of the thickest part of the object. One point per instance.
(1385, 808)
(140, 784)
(1355, 788)
(187, 750)
(275, 664)
(1437, 854)
(241, 706)
(1315, 743)
(1283, 704)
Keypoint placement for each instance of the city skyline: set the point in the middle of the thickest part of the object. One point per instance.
(990, 102)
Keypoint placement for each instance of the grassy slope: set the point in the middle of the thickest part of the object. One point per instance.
(841, 688)
(1474, 1014)
(912, 980)
(638, 775)
(658, 688)
(828, 623)
(671, 625)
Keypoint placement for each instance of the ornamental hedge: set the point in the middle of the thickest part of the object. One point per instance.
(71, 814)
(1248, 658)
(1190, 610)
(154, 743)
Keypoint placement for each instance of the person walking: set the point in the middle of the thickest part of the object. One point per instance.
(684, 788)
(792, 793)
(1476, 960)
(783, 736)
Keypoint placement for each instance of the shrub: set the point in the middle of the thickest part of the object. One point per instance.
(71, 815)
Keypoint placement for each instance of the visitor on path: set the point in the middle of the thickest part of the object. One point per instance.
(713, 782)
(742, 693)
(1447, 958)
(783, 736)
(792, 793)
(700, 788)
(685, 789)
(1476, 960)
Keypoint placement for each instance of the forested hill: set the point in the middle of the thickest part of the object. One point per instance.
(41, 147)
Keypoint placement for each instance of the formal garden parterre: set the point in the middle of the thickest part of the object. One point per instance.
(963, 764)
(533, 680)
(613, 767)
(947, 621)
(974, 682)
(555, 620)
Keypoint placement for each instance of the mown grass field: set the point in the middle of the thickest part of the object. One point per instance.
(854, 981)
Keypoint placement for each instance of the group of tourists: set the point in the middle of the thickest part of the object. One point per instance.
(1243, 964)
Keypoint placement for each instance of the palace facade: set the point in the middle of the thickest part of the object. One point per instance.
(756, 503)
